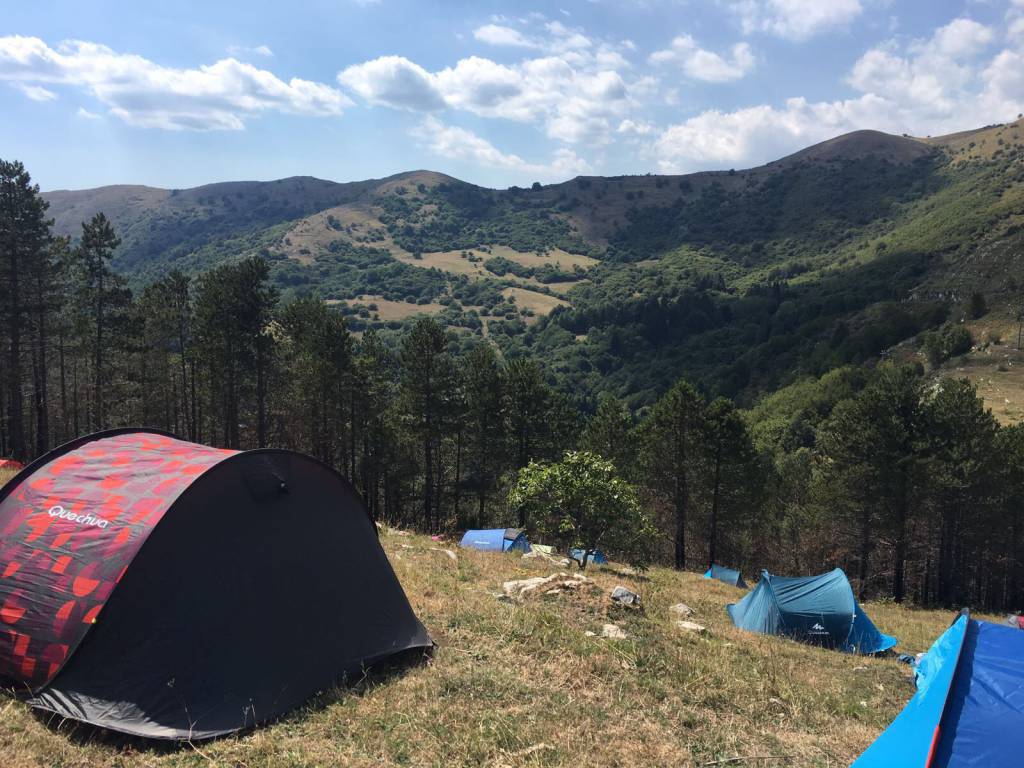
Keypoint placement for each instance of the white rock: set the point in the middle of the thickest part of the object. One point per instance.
(691, 626)
(556, 582)
(624, 596)
(588, 633)
(682, 609)
(613, 632)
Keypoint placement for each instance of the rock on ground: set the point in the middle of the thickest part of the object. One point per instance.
(682, 609)
(614, 632)
(554, 584)
(536, 554)
(691, 626)
(624, 596)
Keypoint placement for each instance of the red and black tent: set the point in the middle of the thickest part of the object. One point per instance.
(171, 590)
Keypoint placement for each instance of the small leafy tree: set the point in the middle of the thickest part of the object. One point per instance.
(582, 502)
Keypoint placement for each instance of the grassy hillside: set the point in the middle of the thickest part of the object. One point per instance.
(523, 685)
(742, 280)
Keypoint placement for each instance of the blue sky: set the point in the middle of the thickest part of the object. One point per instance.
(177, 94)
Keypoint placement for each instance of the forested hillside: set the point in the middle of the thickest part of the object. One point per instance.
(744, 279)
(765, 356)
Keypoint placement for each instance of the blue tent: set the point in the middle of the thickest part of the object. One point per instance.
(815, 609)
(967, 711)
(728, 575)
(596, 557)
(496, 540)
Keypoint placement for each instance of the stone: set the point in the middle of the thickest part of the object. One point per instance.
(691, 626)
(613, 632)
(451, 555)
(536, 554)
(556, 583)
(624, 596)
(682, 609)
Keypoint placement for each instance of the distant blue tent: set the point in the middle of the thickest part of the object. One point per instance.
(596, 557)
(967, 711)
(496, 540)
(814, 609)
(728, 575)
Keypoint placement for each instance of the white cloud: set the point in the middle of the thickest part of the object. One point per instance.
(936, 85)
(393, 81)
(87, 115)
(219, 96)
(758, 134)
(497, 34)
(795, 19)
(36, 92)
(460, 144)
(932, 76)
(708, 66)
(630, 127)
(573, 96)
(245, 50)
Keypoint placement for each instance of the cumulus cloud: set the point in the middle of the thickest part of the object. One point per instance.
(573, 96)
(460, 144)
(393, 81)
(87, 115)
(708, 66)
(946, 82)
(758, 134)
(795, 19)
(932, 75)
(219, 96)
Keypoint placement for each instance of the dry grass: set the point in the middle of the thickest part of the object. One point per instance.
(394, 310)
(521, 685)
(540, 303)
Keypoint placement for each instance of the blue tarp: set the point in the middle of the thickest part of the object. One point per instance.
(814, 609)
(969, 705)
(596, 558)
(728, 575)
(496, 540)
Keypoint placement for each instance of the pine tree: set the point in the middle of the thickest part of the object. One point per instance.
(673, 455)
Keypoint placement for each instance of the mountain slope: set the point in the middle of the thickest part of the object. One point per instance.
(741, 280)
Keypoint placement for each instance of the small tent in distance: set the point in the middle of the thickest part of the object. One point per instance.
(727, 575)
(496, 540)
(967, 710)
(175, 591)
(820, 610)
(597, 557)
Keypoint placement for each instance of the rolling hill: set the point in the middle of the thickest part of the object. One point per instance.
(740, 279)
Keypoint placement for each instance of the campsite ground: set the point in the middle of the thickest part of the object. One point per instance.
(522, 685)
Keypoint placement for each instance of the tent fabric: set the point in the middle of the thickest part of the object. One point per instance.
(820, 610)
(968, 710)
(597, 557)
(496, 540)
(11, 464)
(727, 575)
(170, 590)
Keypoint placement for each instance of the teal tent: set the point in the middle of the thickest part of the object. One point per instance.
(820, 610)
(727, 575)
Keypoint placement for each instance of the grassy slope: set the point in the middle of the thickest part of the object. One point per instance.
(521, 685)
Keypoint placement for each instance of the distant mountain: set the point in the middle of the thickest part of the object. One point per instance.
(741, 279)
